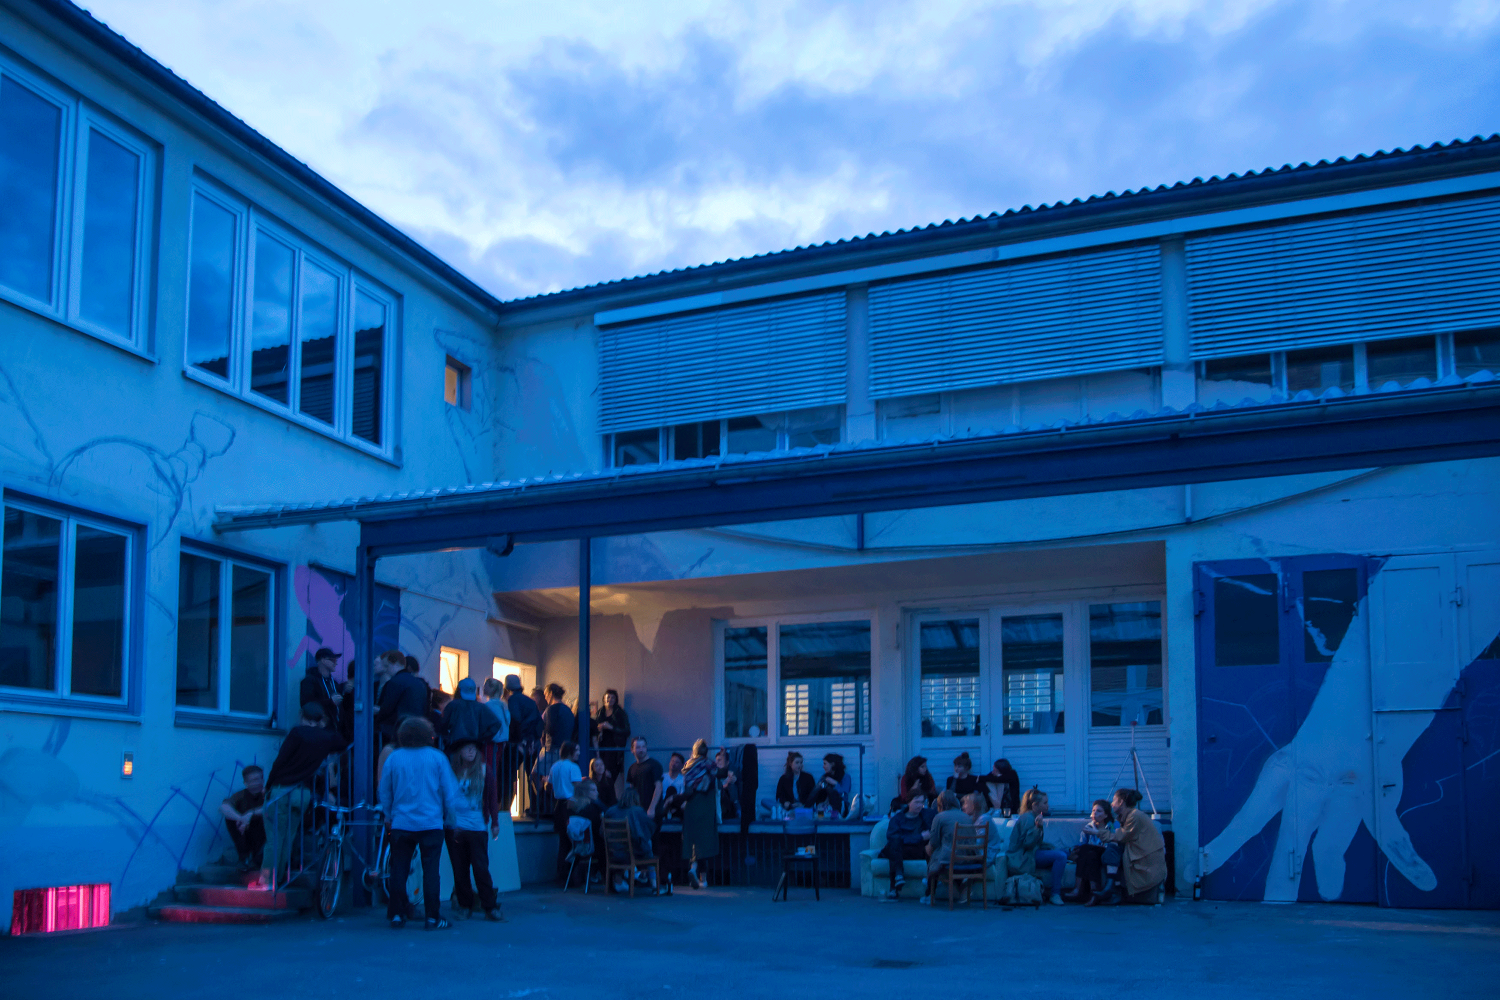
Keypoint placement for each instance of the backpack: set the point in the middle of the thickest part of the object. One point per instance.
(1022, 890)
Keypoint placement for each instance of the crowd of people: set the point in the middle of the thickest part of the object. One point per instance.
(1120, 855)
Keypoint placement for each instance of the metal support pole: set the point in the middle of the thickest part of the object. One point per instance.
(585, 585)
(363, 757)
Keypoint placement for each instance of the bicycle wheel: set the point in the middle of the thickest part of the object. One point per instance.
(331, 881)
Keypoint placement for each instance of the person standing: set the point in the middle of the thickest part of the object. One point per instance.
(416, 786)
(302, 753)
(645, 776)
(700, 822)
(559, 725)
(401, 697)
(490, 696)
(465, 720)
(525, 733)
(243, 819)
(319, 686)
(468, 849)
(613, 726)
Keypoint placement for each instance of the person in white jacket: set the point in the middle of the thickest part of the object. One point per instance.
(416, 785)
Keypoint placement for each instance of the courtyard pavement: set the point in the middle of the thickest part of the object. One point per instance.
(736, 943)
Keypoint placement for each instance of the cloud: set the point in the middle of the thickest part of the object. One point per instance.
(543, 146)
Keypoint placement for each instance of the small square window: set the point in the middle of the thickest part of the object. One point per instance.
(456, 383)
(637, 447)
(1476, 351)
(1400, 361)
(1319, 369)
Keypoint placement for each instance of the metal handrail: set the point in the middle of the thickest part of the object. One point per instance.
(328, 795)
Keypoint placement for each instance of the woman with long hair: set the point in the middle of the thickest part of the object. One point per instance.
(1003, 786)
(915, 777)
(796, 786)
(468, 848)
(613, 727)
(1025, 855)
(700, 822)
(600, 775)
(940, 845)
(835, 785)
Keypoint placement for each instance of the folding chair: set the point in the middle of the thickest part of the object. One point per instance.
(804, 830)
(618, 843)
(967, 862)
(584, 850)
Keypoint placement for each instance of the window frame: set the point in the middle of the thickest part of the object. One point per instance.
(1086, 614)
(222, 716)
(64, 303)
(252, 220)
(464, 390)
(1443, 347)
(772, 624)
(60, 700)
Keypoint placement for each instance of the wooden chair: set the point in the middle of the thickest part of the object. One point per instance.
(967, 862)
(617, 841)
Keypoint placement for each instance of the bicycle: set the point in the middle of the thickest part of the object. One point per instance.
(331, 871)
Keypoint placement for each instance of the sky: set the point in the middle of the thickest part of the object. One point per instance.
(539, 146)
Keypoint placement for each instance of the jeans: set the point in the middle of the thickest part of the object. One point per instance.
(896, 852)
(403, 844)
(283, 820)
(250, 843)
(1058, 862)
(470, 849)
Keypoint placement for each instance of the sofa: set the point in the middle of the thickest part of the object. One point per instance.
(875, 871)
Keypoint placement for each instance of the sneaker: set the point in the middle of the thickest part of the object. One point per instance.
(925, 900)
(1055, 900)
(893, 894)
(397, 922)
(438, 925)
(494, 914)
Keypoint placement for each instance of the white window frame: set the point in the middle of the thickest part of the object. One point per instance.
(227, 562)
(63, 303)
(1086, 631)
(1446, 364)
(252, 220)
(60, 694)
(772, 624)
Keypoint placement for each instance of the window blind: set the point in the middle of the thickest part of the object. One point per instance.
(1420, 269)
(759, 358)
(1033, 319)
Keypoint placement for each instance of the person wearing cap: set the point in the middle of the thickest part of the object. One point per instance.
(465, 720)
(318, 686)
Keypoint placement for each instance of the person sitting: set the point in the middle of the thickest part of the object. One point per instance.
(1143, 852)
(243, 819)
(640, 828)
(1003, 786)
(835, 785)
(561, 779)
(1026, 854)
(963, 782)
(795, 787)
(585, 820)
(916, 776)
(673, 789)
(1088, 856)
(600, 776)
(906, 836)
(940, 845)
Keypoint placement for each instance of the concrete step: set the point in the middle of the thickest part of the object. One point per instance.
(194, 913)
(217, 875)
(244, 898)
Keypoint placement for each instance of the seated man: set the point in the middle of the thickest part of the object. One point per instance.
(243, 820)
(640, 828)
(906, 836)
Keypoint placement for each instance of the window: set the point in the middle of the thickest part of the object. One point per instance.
(745, 682)
(456, 385)
(1400, 361)
(637, 448)
(76, 230)
(1319, 369)
(700, 440)
(825, 678)
(274, 319)
(950, 678)
(453, 666)
(1245, 620)
(65, 600)
(748, 435)
(734, 436)
(1234, 380)
(1031, 649)
(225, 635)
(1330, 600)
(910, 419)
(1125, 664)
(1476, 351)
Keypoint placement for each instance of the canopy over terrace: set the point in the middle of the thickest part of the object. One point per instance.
(1452, 420)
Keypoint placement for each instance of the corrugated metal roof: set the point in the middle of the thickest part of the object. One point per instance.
(356, 506)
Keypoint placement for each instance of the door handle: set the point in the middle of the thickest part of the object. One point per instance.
(1213, 739)
(1389, 784)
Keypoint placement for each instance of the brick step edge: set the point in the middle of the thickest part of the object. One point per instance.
(190, 913)
(244, 898)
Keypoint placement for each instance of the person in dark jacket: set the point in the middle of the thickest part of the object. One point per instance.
(525, 734)
(963, 781)
(289, 788)
(796, 786)
(464, 719)
(404, 695)
(1003, 786)
(613, 728)
(558, 722)
(906, 835)
(319, 686)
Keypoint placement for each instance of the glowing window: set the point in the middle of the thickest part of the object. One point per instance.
(61, 908)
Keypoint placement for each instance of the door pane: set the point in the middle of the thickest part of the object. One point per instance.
(825, 679)
(110, 213)
(745, 682)
(1032, 654)
(1400, 361)
(318, 334)
(250, 641)
(950, 678)
(211, 273)
(271, 321)
(1320, 368)
(198, 632)
(98, 656)
(1245, 615)
(369, 362)
(28, 600)
(1125, 664)
(30, 140)
(1330, 598)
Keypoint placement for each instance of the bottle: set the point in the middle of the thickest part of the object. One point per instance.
(1197, 889)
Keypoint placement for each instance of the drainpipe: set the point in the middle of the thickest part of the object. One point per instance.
(363, 757)
(585, 585)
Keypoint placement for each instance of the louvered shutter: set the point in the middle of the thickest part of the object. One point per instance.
(759, 358)
(1029, 320)
(1421, 269)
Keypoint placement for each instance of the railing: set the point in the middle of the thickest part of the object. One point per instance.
(297, 820)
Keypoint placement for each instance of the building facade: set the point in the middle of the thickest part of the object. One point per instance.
(1300, 669)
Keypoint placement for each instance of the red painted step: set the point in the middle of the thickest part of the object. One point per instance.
(193, 913)
(239, 896)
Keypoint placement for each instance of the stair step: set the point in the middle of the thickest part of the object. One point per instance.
(217, 875)
(193, 913)
(241, 897)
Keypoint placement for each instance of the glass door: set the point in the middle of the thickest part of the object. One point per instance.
(1039, 687)
(951, 653)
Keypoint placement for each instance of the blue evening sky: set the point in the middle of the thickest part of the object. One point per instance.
(546, 145)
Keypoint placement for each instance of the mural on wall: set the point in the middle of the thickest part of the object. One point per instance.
(326, 598)
(1294, 803)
